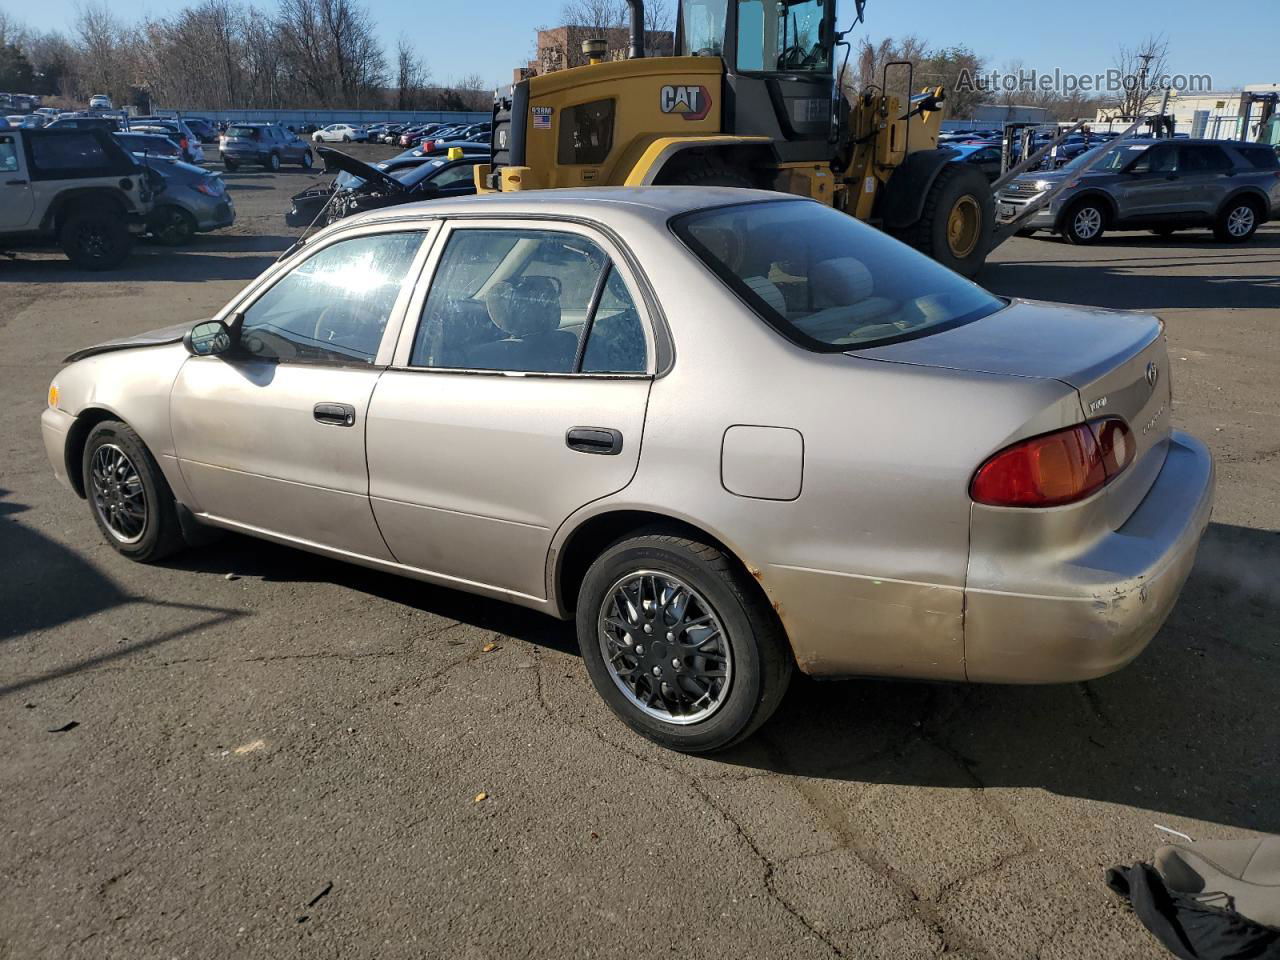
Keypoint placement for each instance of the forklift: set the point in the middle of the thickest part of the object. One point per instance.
(751, 98)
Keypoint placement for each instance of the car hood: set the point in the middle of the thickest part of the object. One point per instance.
(152, 338)
(1054, 341)
(336, 160)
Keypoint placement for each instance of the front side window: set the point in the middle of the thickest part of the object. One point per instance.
(826, 280)
(782, 35)
(334, 306)
(586, 132)
(523, 301)
(1159, 159)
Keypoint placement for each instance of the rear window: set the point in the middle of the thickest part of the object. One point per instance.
(244, 133)
(1261, 158)
(827, 281)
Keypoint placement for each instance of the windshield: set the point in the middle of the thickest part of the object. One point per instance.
(824, 279)
(1116, 156)
(782, 35)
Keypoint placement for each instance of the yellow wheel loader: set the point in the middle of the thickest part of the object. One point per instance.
(750, 99)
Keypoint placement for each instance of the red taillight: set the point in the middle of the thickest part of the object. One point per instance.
(183, 143)
(1055, 468)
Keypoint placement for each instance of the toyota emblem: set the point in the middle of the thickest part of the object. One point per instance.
(1153, 374)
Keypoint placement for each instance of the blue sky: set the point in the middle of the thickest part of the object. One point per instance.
(489, 38)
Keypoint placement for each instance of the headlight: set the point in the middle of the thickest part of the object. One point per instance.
(1043, 185)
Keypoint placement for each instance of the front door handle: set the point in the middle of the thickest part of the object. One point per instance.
(15, 183)
(335, 414)
(602, 440)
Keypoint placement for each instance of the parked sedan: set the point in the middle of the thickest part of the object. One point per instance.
(730, 434)
(340, 133)
(984, 157)
(192, 200)
(1160, 185)
(149, 145)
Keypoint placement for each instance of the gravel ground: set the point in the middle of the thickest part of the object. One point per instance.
(250, 751)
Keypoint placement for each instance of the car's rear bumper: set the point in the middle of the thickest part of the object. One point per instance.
(1081, 616)
(54, 426)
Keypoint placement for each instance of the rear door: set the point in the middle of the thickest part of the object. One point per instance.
(517, 396)
(16, 201)
(1206, 177)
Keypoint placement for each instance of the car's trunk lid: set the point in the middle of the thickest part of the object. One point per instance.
(1117, 362)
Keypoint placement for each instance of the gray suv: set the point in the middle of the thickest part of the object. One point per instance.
(1157, 185)
(266, 144)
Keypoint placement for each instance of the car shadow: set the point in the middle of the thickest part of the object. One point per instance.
(1188, 730)
(152, 263)
(1142, 282)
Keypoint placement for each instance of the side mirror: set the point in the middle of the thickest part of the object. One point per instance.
(207, 339)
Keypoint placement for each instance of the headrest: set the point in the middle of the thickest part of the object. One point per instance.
(525, 308)
(840, 282)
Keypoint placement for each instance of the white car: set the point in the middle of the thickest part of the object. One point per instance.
(100, 101)
(339, 133)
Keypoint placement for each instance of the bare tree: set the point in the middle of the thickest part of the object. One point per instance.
(1140, 68)
(411, 76)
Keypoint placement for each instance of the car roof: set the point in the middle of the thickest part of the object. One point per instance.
(611, 206)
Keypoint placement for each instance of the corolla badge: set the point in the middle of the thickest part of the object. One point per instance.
(1153, 374)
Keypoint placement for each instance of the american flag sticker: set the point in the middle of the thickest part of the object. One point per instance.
(542, 117)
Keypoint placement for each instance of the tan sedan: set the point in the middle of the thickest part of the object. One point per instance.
(731, 433)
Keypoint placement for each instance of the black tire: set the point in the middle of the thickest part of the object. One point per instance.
(760, 657)
(230, 164)
(273, 162)
(705, 172)
(171, 226)
(307, 160)
(965, 191)
(1085, 222)
(161, 532)
(1238, 221)
(345, 138)
(96, 238)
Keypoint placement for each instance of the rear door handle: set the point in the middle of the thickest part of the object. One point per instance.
(15, 183)
(602, 440)
(335, 414)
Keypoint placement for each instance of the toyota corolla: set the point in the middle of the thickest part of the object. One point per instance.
(729, 433)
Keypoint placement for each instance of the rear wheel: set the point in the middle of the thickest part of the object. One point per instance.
(96, 238)
(229, 163)
(307, 160)
(128, 495)
(680, 643)
(171, 225)
(1085, 222)
(955, 225)
(1237, 222)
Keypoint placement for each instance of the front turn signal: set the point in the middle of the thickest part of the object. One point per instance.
(53, 395)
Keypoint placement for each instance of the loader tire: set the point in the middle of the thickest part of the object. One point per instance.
(956, 223)
(704, 172)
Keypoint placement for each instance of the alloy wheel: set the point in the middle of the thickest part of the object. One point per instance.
(119, 498)
(1240, 222)
(665, 647)
(1088, 222)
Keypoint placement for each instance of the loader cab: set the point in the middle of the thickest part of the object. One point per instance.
(778, 56)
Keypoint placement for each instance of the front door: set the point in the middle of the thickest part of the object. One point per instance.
(517, 397)
(271, 436)
(16, 202)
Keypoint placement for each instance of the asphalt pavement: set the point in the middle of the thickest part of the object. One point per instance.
(251, 751)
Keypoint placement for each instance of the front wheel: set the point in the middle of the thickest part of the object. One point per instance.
(273, 162)
(128, 495)
(956, 222)
(680, 643)
(307, 160)
(230, 164)
(1085, 223)
(172, 226)
(345, 138)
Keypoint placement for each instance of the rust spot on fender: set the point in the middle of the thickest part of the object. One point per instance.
(755, 572)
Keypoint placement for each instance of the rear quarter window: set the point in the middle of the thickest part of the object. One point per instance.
(1261, 158)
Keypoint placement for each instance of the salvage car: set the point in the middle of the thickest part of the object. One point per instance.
(266, 144)
(190, 200)
(729, 433)
(360, 186)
